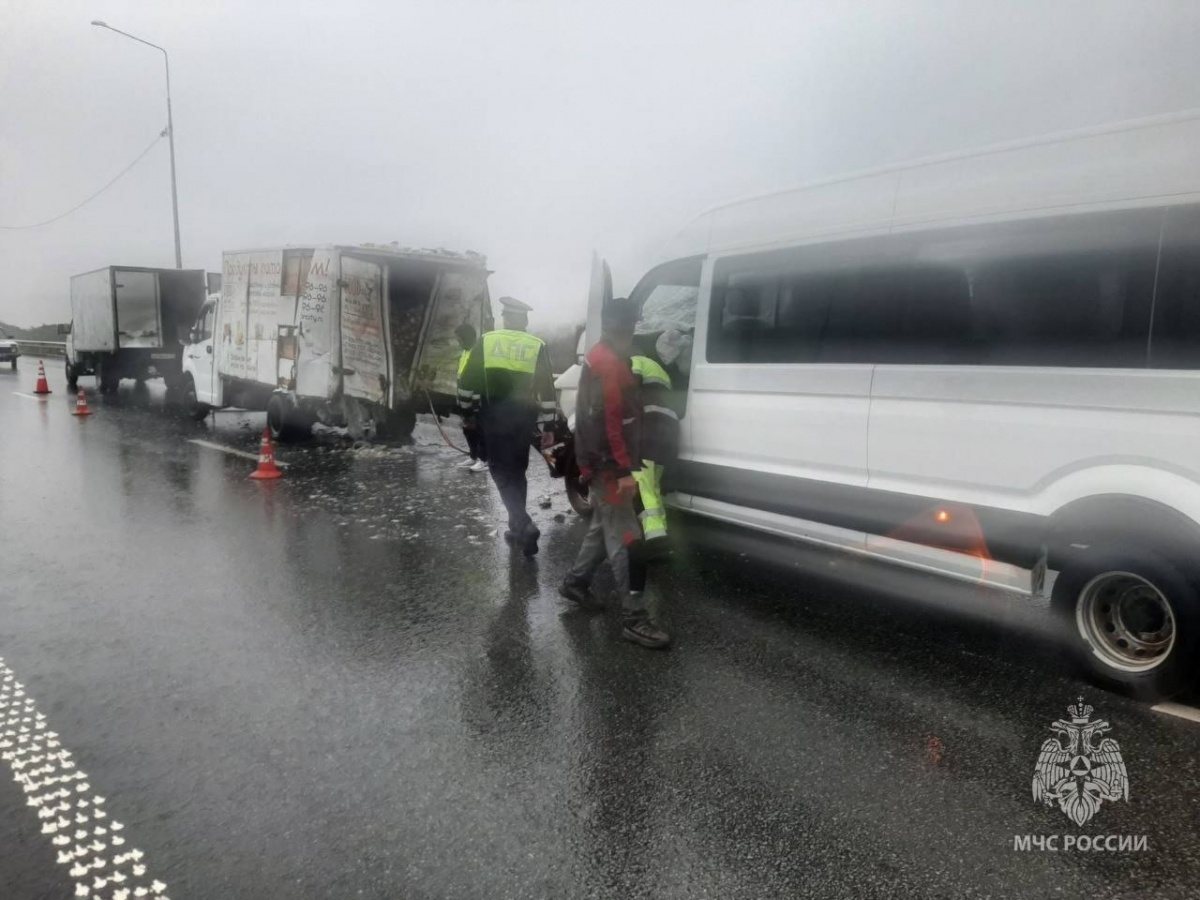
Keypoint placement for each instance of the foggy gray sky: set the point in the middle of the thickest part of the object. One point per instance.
(532, 132)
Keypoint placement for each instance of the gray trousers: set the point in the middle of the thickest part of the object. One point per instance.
(613, 531)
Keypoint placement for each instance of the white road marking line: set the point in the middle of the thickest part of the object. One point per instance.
(232, 452)
(30, 396)
(59, 792)
(1178, 709)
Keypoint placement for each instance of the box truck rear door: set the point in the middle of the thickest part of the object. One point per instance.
(138, 321)
(366, 362)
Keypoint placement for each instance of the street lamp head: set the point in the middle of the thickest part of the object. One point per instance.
(98, 22)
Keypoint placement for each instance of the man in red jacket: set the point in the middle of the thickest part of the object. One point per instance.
(608, 426)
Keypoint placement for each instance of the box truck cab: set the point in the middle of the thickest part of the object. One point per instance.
(985, 365)
(354, 336)
(130, 322)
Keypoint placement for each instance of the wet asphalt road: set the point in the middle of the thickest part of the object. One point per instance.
(344, 684)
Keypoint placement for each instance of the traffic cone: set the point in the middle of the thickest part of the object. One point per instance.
(81, 407)
(266, 459)
(42, 386)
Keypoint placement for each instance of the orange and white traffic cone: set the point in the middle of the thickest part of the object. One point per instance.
(81, 407)
(266, 459)
(42, 386)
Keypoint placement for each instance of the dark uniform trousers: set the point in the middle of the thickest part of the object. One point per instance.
(508, 428)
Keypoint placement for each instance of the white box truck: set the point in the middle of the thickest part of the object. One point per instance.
(131, 322)
(349, 336)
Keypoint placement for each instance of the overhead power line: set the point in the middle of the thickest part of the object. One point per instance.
(79, 206)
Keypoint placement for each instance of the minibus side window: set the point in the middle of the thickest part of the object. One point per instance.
(1175, 341)
(1056, 292)
(1069, 291)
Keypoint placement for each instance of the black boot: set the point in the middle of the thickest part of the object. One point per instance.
(579, 594)
(529, 545)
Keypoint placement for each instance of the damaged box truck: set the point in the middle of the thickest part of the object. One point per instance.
(130, 322)
(348, 336)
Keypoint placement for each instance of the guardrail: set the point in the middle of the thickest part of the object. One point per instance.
(42, 348)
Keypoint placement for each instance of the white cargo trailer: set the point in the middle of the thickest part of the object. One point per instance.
(353, 336)
(131, 322)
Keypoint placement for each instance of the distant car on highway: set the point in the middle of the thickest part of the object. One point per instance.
(9, 350)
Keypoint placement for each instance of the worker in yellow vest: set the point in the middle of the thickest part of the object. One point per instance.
(477, 460)
(508, 380)
(659, 448)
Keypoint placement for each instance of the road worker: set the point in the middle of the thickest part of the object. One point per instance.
(659, 448)
(508, 379)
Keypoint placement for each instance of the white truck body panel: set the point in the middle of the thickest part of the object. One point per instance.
(249, 315)
(317, 311)
(93, 316)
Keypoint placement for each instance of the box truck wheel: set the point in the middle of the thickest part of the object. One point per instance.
(72, 378)
(197, 410)
(107, 377)
(286, 420)
(1133, 615)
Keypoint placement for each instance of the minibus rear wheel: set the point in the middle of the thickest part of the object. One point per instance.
(1133, 616)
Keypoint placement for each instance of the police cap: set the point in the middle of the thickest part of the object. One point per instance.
(515, 306)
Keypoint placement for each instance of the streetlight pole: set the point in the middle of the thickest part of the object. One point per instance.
(170, 133)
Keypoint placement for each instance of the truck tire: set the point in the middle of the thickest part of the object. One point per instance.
(1133, 616)
(398, 425)
(14, 364)
(72, 378)
(195, 409)
(287, 421)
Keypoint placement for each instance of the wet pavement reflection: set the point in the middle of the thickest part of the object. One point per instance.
(344, 683)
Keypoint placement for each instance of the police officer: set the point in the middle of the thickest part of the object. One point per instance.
(509, 380)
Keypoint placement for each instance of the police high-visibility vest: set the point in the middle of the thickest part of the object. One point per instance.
(509, 367)
(513, 351)
(462, 361)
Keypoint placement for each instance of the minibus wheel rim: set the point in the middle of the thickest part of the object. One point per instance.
(1127, 620)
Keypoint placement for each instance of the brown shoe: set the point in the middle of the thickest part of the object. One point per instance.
(644, 632)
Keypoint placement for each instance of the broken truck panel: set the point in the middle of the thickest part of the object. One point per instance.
(461, 297)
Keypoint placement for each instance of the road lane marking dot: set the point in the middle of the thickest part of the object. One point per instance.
(40, 772)
(232, 451)
(1178, 710)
